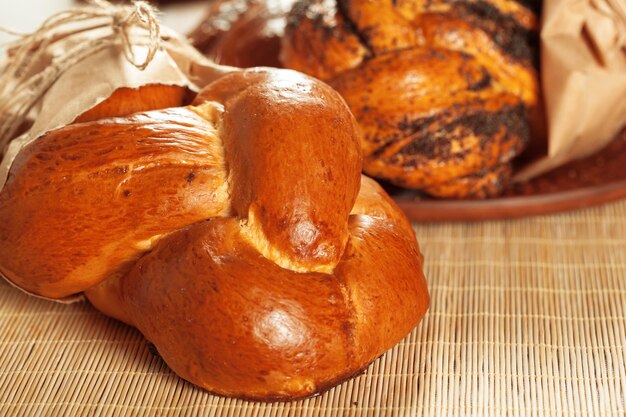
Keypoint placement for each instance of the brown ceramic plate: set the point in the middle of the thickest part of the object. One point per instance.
(597, 179)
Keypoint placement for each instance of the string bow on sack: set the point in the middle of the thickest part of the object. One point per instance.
(23, 80)
(48, 77)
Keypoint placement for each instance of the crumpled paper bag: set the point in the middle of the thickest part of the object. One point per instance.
(583, 69)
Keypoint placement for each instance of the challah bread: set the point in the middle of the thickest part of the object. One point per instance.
(446, 92)
(82, 202)
(235, 233)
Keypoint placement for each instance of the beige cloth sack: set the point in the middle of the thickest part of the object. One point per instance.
(78, 58)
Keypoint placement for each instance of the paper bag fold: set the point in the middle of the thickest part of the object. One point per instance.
(583, 68)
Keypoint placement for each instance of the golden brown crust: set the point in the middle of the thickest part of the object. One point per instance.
(56, 238)
(445, 91)
(308, 229)
(107, 297)
(375, 202)
(125, 101)
(420, 140)
(489, 182)
(380, 25)
(256, 330)
(522, 12)
(515, 73)
(236, 233)
(325, 44)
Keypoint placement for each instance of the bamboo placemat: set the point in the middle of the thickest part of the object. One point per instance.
(528, 317)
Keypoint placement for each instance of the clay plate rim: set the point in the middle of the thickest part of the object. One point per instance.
(426, 210)
(594, 180)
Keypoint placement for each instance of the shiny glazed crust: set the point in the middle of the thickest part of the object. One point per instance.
(235, 233)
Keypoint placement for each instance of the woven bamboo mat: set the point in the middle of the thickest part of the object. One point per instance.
(528, 318)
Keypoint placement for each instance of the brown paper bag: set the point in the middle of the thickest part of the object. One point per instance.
(583, 54)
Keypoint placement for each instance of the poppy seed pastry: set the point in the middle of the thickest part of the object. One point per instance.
(445, 91)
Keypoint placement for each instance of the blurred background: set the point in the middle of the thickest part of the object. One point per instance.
(27, 15)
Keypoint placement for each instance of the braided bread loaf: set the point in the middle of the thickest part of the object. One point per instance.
(443, 89)
(236, 233)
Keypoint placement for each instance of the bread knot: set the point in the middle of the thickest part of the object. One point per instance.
(235, 232)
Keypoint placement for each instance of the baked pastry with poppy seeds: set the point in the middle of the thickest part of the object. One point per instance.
(446, 92)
